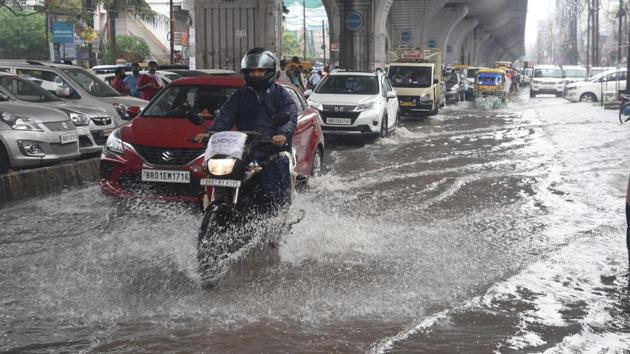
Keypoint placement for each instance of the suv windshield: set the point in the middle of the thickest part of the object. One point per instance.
(177, 101)
(552, 72)
(91, 83)
(578, 73)
(410, 76)
(349, 85)
(26, 90)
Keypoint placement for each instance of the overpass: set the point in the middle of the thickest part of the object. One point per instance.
(476, 32)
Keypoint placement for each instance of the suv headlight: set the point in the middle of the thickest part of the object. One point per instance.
(114, 143)
(317, 105)
(18, 122)
(79, 119)
(365, 106)
(121, 109)
(221, 167)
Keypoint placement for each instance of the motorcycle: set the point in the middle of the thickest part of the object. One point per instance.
(236, 209)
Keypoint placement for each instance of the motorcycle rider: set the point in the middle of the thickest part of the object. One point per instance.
(252, 109)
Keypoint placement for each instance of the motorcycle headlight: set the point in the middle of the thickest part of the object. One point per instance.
(317, 105)
(365, 106)
(121, 109)
(79, 119)
(18, 122)
(221, 167)
(114, 143)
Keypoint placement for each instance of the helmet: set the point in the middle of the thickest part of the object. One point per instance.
(259, 58)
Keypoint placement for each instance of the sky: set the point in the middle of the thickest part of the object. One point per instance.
(536, 10)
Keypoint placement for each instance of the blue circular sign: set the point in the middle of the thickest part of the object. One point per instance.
(406, 36)
(431, 43)
(354, 21)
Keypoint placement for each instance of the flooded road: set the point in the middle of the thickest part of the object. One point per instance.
(471, 232)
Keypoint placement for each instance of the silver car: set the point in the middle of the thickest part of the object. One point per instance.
(32, 135)
(91, 124)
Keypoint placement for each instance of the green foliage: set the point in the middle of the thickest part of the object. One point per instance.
(131, 48)
(290, 45)
(22, 37)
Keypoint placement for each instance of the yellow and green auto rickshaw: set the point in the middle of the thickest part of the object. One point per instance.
(491, 87)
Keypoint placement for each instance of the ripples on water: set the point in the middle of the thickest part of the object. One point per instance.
(497, 207)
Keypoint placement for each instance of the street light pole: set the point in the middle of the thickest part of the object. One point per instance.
(172, 30)
(621, 14)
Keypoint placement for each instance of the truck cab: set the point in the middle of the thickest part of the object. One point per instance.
(416, 75)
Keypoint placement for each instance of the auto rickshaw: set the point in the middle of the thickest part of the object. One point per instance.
(492, 87)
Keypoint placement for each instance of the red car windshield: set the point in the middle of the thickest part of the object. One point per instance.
(179, 100)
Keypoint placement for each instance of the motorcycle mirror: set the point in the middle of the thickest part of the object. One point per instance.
(194, 119)
(280, 119)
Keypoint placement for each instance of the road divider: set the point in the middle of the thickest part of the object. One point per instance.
(27, 184)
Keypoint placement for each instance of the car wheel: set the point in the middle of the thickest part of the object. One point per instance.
(559, 95)
(532, 94)
(384, 129)
(316, 166)
(434, 112)
(4, 160)
(588, 97)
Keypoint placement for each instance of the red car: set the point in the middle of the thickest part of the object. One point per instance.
(153, 157)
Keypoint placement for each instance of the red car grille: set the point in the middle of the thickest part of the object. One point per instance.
(163, 156)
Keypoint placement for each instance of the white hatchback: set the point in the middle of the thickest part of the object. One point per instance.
(356, 103)
(608, 83)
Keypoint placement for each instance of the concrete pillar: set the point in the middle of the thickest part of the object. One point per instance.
(381, 57)
(356, 47)
(441, 25)
(334, 28)
(456, 40)
(483, 40)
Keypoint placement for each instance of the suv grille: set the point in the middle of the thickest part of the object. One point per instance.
(102, 120)
(166, 156)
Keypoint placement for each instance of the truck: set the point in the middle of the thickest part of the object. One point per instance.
(416, 75)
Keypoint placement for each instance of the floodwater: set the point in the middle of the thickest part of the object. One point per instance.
(470, 232)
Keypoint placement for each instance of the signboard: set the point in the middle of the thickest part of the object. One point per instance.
(406, 36)
(354, 21)
(334, 47)
(63, 32)
(431, 43)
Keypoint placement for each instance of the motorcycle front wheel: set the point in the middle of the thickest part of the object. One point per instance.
(212, 247)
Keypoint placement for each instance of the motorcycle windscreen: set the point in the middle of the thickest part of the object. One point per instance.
(230, 144)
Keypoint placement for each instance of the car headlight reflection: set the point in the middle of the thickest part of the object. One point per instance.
(18, 122)
(221, 167)
(114, 144)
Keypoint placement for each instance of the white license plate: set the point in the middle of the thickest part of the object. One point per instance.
(345, 121)
(68, 138)
(220, 182)
(106, 132)
(169, 176)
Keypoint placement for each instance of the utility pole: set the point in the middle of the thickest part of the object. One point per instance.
(172, 31)
(621, 15)
(596, 33)
(304, 25)
(324, 40)
(588, 36)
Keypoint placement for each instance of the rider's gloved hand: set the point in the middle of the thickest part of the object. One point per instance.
(279, 140)
(200, 137)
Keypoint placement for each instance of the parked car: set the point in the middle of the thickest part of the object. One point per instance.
(573, 73)
(356, 103)
(596, 70)
(157, 140)
(166, 76)
(88, 121)
(76, 85)
(609, 83)
(455, 87)
(34, 135)
(547, 79)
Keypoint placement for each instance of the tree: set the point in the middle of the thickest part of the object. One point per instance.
(22, 37)
(290, 45)
(131, 48)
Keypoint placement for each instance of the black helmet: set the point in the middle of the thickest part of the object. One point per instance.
(259, 58)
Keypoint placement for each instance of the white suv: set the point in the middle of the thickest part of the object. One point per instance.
(608, 83)
(547, 79)
(356, 103)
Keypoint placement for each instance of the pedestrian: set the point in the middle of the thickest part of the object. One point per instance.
(315, 79)
(282, 74)
(150, 83)
(132, 80)
(119, 83)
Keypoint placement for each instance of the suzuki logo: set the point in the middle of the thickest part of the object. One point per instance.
(339, 109)
(167, 156)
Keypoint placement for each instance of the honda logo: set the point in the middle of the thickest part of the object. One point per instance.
(339, 109)
(167, 156)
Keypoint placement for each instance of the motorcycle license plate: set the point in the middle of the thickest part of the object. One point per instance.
(230, 183)
(168, 176)
(344, 121)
